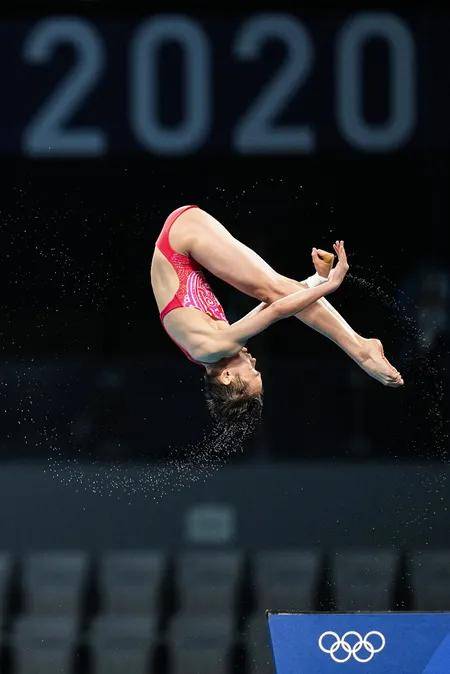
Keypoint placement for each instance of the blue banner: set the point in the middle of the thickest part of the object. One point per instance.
(374, 643)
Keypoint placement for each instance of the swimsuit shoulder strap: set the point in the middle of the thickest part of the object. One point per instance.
(162, 242)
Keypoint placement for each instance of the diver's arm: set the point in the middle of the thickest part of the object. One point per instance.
(287, 306)
(255, 310)
(227, 342)
(257, 321)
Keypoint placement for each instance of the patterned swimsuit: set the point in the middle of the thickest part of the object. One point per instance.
(194, 290)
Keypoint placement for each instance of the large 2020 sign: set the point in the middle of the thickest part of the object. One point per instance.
(179, 84)
(363, 643)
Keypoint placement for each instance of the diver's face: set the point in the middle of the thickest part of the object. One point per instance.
(244, 365)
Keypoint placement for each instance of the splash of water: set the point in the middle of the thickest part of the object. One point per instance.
(415, 355)
(198, 463)
(428, 379)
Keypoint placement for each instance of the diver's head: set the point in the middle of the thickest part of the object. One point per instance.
(234, 388)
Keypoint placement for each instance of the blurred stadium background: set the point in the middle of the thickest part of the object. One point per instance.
(294, 128)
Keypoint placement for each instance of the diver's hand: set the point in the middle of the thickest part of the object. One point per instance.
(337, 274)
(322, 261)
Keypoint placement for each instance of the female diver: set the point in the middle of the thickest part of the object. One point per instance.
(190, 240)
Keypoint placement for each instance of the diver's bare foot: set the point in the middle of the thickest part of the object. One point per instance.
(375, 363)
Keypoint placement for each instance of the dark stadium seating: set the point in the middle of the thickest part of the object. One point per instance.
(54, 583)
(122, 643)
(287, 579)
(6, 566)
(429, 573)
(198, 611)
(364, 579)
(209, 581)
(42, 645)
(256, 639)
(130, 582)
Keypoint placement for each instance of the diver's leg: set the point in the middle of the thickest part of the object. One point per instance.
(211, 245)
(209, 242)
(325, 319)
(368, 353)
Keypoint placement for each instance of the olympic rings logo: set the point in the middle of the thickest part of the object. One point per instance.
(352, 649)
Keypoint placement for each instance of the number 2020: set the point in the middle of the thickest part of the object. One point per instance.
(49, 133)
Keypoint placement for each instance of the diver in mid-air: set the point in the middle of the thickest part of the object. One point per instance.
(190, 240)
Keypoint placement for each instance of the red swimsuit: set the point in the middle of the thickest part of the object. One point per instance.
(194, 290)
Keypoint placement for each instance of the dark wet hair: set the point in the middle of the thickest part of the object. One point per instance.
(231, 404)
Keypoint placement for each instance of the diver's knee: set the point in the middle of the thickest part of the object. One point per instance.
(278, 287)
